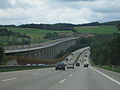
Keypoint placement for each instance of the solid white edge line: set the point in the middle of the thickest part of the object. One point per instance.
(62, 80)
(8, 79)
(115, 81)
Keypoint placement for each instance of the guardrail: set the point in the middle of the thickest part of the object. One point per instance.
(23, 67)
(19, 47)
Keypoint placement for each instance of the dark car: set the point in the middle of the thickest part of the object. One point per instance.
(70, 66)
(86, 65)
(78, 64)
(66, 59)
(60, 65)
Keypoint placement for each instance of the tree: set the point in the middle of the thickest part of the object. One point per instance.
(118, 26)
(1, 54)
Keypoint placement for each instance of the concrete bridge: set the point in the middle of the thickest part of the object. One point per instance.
(48, 51)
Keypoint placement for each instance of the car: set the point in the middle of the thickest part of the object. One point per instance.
(60, 65)
(41, 64)
(28, 64)
(70, 66)
(66, 59)
(78, 64)
(33, 64)
(86, 65)
(72, 54)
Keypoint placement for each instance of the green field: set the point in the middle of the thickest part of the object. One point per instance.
(38, 34)
(97, 29)
(34, 33)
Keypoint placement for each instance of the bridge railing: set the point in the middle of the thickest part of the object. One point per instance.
(14, 47)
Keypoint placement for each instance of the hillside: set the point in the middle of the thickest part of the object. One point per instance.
(38, 35)
(97, 29)
(35, 33)
(6, 32)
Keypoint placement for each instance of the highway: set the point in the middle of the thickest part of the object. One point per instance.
(80, 78)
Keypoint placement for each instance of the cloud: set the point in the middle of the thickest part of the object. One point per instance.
(5, 4)
(58, 11)
(74, 0)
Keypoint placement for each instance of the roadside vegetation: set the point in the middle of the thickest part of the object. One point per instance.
(105, 52)
(112, 68)
(2, 59)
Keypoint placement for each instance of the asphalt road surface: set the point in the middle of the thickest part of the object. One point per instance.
(80, 78)
(72, 79)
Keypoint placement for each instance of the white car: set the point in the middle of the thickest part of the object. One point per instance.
(70, 66)
(41, 64)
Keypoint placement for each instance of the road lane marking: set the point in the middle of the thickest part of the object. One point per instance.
(117, 82)
(8, 79)
(62, 80)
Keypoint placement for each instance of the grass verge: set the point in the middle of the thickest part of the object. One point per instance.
(107, 67)
(111, 68)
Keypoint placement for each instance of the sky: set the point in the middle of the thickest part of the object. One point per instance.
(58, 11)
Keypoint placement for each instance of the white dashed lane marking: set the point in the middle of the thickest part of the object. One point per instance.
(8, 79)
(62, 80)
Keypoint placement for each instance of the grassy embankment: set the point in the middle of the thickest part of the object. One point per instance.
(112, 68)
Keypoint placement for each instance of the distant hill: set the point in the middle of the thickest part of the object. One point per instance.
(89, 24)
(98, 24)
(60, 26)
(111, 23)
